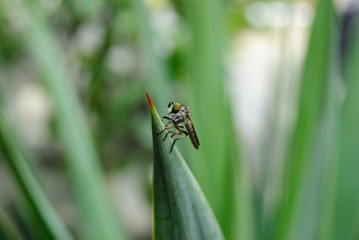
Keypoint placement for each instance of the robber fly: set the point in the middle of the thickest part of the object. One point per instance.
(180, 119)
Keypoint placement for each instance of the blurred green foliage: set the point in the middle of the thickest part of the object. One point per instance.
(95, 59)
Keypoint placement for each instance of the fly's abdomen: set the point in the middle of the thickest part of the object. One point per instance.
(192, 133)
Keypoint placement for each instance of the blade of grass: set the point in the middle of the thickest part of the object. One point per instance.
(29, 186)
(211, 115)
(312, 217)
(98, 220)
(181, 210)
(346, 217)
(312, 102)
(7, 229)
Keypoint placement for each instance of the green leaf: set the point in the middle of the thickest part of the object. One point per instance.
(7, 229)
(311, 109)
(29, 186)
(218, 167)
(346, 216)
(181, 210)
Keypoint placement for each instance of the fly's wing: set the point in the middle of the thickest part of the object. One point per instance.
(191, 132)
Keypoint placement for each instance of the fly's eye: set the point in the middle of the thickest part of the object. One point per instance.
(171, 103)
(176, 107)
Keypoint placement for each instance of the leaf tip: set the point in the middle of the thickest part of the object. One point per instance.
(152, 106)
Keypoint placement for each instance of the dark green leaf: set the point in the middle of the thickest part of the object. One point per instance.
(181, 210)
(29, 186)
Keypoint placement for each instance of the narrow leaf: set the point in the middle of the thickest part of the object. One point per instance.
(29, 186)
(312, 103)
(7, 229)
(346, 216)
(98, 218)
(181, 210)
(219, 166)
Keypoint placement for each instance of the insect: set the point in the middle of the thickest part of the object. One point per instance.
(180, 119)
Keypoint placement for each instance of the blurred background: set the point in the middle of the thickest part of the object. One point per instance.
(253, 73)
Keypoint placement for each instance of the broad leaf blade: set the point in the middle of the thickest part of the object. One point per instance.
(181, 210)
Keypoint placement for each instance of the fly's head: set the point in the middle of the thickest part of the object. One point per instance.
(173, 107)
(179, 111)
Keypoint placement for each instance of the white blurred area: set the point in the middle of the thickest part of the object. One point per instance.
(264, 68)
(31, 108)
(135, 210)
(342, 5)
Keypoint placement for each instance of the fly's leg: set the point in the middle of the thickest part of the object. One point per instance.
(173, 133)
(165, 117)
(168, 123)
(166, 128)
(179, 131)
(174, 141)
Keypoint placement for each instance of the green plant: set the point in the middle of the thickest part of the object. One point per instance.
(52, 226)
(181, 210)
